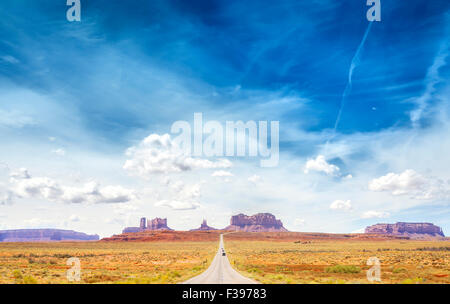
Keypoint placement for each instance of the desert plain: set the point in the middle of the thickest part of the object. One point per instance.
(166, 257)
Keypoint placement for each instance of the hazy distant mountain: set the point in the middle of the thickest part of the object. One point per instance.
(44, 235)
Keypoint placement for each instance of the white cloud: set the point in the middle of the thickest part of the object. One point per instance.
(221, 173)
(411, 183)
(321, 165)
(59, 152)
(341, 205)
(93, 193)
(21, 173)
(374, 214)
(25, 186)
(181, 196)
(159, 154)
(398, 184)
(254, 178)
(178, 205)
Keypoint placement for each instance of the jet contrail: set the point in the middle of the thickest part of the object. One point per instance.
(355, 62)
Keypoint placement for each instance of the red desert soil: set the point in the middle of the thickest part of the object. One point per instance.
(185, 236)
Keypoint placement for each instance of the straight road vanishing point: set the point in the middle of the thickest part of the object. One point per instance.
(220, 271)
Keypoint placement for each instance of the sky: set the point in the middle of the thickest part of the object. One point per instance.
(86, 110)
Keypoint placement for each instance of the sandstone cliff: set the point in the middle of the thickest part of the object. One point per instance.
(261, 222)
(44, 235)
(413, 230)
(150, 225)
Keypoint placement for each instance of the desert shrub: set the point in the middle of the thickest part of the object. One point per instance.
(17, 274)
(197, 268)
(412, 281)
(398, 270)
(343, 269)
(174, 274)
(29, 280)
(254, 270)
(433, 249)
(62, 255)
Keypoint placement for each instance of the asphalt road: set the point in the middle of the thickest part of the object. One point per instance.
(220, 271)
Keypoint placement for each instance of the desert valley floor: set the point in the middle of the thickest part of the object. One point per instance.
(173, 257)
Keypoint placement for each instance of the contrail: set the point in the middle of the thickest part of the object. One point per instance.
(355, 62)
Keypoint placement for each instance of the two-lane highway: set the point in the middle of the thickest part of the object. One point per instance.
(220, 271)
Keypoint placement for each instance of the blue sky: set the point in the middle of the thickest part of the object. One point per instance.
(74, 96)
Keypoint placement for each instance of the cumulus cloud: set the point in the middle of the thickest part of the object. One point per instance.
(374, 214)
(221, 173)
(321, 165)
(181, 196)
(21, 173)
(411, 183)
(25, 186)
(398, 184)
(159, 154)
(341, 205)
(93, 193)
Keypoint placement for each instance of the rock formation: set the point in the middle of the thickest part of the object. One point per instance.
(413, 230)
(44, 235)
(151, 225)
(203, 227)
(261, 222)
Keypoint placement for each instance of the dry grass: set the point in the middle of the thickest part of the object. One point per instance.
(334, 261)
(102, 262)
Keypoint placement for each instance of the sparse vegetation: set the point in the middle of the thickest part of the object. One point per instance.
(101, 262)
(339, 261)
(343, 269)
(267, 261)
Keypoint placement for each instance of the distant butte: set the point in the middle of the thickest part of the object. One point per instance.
(204, 227)
(150, 225)
(261, 222)
(411, 230)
